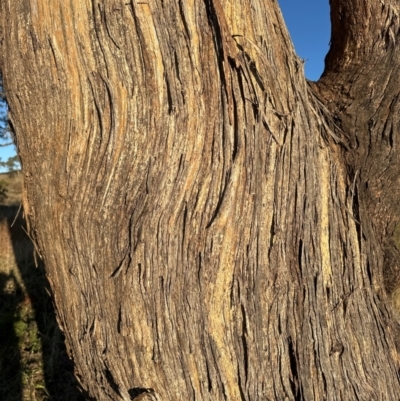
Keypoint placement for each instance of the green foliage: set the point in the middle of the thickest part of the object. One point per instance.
(6, 135)
(5, 130)
(12, 164)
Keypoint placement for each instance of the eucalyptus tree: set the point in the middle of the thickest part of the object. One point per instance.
(213, 225)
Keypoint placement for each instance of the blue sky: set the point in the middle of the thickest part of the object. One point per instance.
(309, 26)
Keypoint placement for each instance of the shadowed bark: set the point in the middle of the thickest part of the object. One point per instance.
(213, 226)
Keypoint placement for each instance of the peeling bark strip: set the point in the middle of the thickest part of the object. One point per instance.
(213, 226)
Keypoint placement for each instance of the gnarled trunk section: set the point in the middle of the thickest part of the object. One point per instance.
(213, 226)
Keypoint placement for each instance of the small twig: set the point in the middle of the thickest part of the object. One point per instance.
(16, 216)
(37, 252)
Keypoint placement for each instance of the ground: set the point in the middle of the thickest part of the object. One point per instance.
(33, 361)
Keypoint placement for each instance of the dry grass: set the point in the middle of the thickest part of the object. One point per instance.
(13, 184)
(33, 361)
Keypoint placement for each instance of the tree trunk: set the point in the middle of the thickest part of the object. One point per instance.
(213, 226)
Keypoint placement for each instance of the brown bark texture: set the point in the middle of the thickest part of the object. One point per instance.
(213, 226)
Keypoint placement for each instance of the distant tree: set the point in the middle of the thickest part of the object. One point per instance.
(5, 135)
(5, 130)
(12, 164)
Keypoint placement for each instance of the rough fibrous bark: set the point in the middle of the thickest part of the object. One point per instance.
(213, 226)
